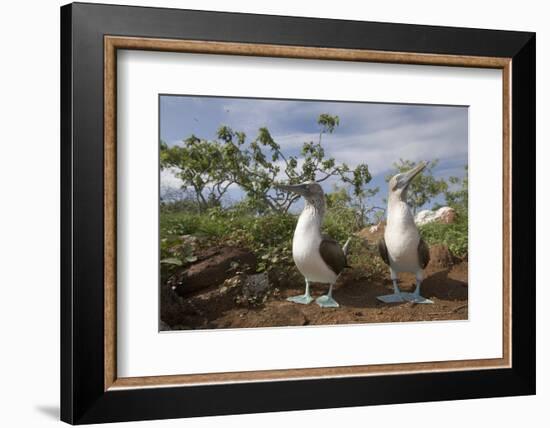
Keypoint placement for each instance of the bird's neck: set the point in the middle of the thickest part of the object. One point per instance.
(399, 212)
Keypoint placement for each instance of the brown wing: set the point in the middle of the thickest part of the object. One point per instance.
(332, 254)
(423, 253)
(383, 251)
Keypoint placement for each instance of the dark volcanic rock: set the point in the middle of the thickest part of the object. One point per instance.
(241, 290)
(440, 256)
(163, 326)
(171, 306)
(213, 267)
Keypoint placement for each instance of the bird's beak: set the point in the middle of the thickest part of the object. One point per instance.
(409, 176)
(300, 189)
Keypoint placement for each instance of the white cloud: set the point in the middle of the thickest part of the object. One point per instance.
(381, 148)
(375, 134)
(168, 178)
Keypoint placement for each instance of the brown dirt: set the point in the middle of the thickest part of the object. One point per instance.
(447, 287)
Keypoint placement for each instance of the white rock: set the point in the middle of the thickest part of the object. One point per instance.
(424, 217)
(444, 214)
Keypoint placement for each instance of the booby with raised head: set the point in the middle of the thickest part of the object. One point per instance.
(402, 248)
(318, 257)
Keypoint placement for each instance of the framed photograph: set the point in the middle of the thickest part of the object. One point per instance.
(267, 213)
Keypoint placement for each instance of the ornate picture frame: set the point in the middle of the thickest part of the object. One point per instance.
(91, 389)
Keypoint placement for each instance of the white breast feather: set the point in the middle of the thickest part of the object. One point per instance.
(402, 238)
(305, 250)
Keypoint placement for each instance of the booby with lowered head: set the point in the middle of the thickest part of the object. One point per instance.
(402, 248)
(318, 257)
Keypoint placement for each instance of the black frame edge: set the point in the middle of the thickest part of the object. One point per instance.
(298, 31)
(524, 219)
(66, 316)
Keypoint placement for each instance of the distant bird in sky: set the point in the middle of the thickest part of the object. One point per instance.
(318, 257)
(402, 248)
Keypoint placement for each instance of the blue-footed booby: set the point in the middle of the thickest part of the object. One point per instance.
(318, 257)
(402, 248)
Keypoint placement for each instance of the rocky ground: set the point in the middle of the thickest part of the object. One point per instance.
(358, 304)
(213, 294)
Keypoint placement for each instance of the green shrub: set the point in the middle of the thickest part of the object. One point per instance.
(454, 235)
(269, 236)
(340, 223)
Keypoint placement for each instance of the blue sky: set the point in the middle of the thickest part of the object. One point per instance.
(372, 133)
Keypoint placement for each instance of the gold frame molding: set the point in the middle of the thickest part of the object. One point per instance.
(113, 43)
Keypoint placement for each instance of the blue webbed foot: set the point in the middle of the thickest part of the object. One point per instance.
(392, 298)
(416, 298)
(303, 299)
(327, 301)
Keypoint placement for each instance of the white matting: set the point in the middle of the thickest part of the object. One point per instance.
(142, 351)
